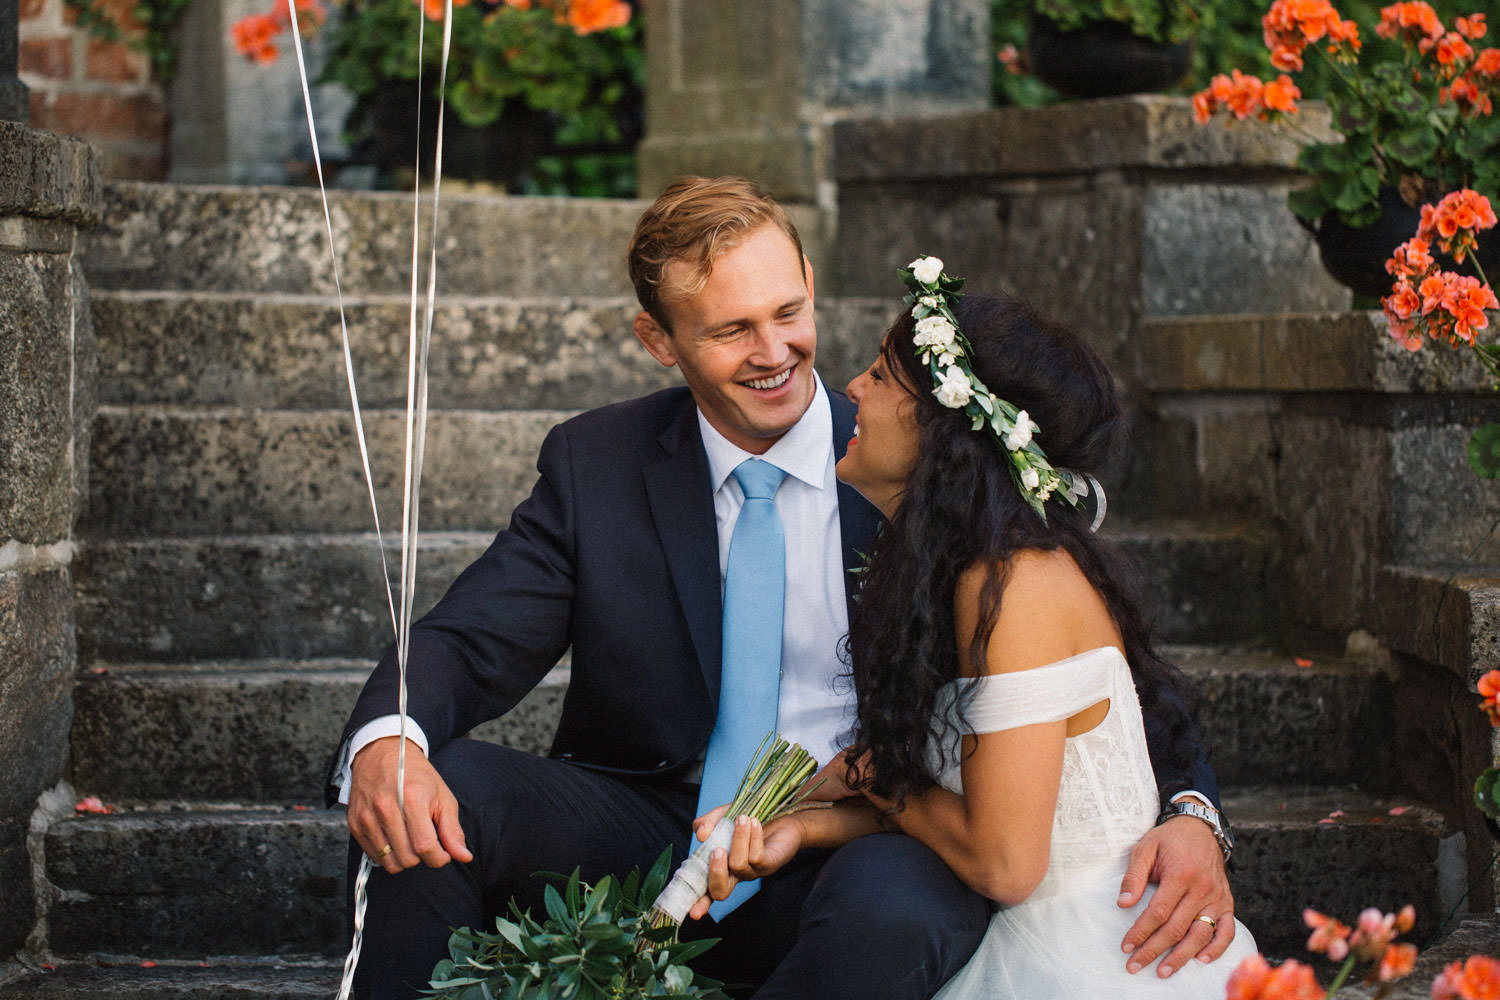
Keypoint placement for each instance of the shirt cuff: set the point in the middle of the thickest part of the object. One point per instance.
(1189, 794)
(375, 729)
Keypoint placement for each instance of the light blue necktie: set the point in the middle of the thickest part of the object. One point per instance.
(750, 678)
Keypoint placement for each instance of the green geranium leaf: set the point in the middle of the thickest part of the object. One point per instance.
(1484, 452)
(1487, 792)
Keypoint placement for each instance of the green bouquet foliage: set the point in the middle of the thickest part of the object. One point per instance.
(596, 943)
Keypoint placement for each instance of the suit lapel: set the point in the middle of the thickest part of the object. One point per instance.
(683, 510)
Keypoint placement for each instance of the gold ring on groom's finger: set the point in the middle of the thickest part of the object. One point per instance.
(1213, 924)
(386, 850)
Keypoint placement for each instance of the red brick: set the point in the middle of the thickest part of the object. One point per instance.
(48, 57)
(33, 8)
(108, 116)
(115, 62)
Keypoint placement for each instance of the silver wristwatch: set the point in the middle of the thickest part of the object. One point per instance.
(1208, 814)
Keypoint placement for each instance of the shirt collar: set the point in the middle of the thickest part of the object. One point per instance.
(803, 451)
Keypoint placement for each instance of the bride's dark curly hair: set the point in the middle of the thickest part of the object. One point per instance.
(961, 508)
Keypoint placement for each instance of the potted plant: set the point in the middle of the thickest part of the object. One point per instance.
(1100, 48)
(1412, 103)
(525, 78)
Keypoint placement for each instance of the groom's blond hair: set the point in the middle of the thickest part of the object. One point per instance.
(694, 221)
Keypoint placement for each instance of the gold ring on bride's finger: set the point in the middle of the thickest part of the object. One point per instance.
(1213, 924)
(382, 852)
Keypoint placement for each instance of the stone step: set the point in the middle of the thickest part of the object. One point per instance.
(237, 979)
(263, 731)
(1338, 850)
(1281, 719)
(1447, 615)
(180, 600)
(171, 471)
(489, 351)
(159, 236)
(258, 732)
(269, 882)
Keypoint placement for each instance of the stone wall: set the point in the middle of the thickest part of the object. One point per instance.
(754, 89)
(49, 190)
(1100, 212)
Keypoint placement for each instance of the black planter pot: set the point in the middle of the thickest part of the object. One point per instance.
(1356, 257)
(500, 153)
(1103, 59)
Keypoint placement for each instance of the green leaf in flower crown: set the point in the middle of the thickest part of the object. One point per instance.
(1484, 452)
(1487, 792)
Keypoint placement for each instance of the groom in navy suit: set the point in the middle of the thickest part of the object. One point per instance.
(619, 554)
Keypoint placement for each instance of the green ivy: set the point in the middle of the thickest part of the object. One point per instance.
(157, 19)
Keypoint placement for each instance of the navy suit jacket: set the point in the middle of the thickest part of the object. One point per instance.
(615, 554)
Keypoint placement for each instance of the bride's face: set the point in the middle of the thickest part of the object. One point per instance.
(884, 447)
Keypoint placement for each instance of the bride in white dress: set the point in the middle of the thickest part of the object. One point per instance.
(997, 656)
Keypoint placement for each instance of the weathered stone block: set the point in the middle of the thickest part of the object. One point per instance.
(242, 732)
(36, 375)
(1447, 618)
(1295, 352)
(47, 176)
(1228, 248)
(274, 240)
(269, 980)
(753, 90)
(1291, 853)
(1270, 721)
(37, 660)
(302, 596)
(174, 472)
(190, 885)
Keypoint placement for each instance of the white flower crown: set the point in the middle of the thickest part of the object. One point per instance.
(943, 348)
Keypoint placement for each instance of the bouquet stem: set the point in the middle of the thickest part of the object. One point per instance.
(771, 787)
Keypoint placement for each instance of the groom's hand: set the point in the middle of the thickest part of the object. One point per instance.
(428, 833)
(1182, 857)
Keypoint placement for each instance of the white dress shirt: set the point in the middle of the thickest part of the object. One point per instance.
(816, 706)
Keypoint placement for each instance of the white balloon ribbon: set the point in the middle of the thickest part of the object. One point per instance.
(419, 343)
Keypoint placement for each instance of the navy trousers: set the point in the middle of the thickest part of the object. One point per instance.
(881, 917)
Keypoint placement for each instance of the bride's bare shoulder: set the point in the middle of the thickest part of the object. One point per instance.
(1048, 610)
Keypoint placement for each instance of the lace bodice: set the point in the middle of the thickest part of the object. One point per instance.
(1107, 799)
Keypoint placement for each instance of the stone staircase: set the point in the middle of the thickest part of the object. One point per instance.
(229, 602)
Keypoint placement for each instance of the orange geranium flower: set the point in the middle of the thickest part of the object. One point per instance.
(1255, 979)
(1477, 978)
(586, 16)
(1488, 63)
(1416, 21)
(433, 9)
(1329, 936)
(1472, 26)
(1281, 95)
(1397, 962)
(1489, 689)
(254, 37)
(1452, 48)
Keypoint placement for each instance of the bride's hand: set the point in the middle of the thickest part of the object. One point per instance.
(835, 779)
(755, 852)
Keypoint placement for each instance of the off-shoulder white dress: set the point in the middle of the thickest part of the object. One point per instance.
(1063, 942)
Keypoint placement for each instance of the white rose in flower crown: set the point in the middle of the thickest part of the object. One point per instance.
(1020, 435)
(1030, 478)
(930, 301)
(954, 391)
(926, 269)
(934, 331)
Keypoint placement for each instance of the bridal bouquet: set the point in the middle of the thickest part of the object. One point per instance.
(617, 940)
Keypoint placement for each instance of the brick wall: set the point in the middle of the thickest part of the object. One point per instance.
(99, 91)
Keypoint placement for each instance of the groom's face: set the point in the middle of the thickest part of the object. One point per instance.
(745, 341)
